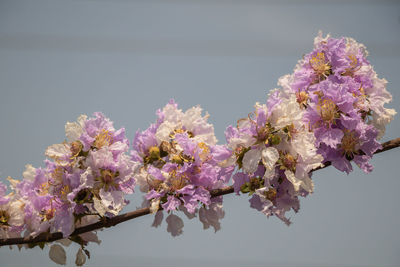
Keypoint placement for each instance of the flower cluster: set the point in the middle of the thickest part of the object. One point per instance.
(11, 214)
(274, 152)
(343, 99)
(181, 163)
(331, 109)
(86, 180)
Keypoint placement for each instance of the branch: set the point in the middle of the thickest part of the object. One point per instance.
(108, 222)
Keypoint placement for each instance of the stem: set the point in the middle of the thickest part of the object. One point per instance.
(108, 222)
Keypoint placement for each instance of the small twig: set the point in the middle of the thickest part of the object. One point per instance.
(46, 237)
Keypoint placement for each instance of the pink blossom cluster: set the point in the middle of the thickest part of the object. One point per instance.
(85, 180)
(330, 110)
(180, 164)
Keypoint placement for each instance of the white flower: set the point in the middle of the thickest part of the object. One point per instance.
(13, 212)
(63, 152)
(164, 131)
(251, 160)
(154, 205)
(191, 121)
(269, 157)
(286, 113)
(378, 96)
(112, 201)
(73, 130)
(99, 207)
(197, 124)
(352, 47)
(59, 152)
(302, 147)
(305, 183)
(29, 173)
(142, 180)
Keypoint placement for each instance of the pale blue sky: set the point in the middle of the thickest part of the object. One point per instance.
(61, 58)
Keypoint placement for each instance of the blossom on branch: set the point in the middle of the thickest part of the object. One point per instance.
(181, 162)
(274, 153)
(343, 99)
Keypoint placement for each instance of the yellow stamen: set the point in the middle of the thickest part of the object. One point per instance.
(4, 217)
(176, 159)
(177, 182)
(353, 61)
(57, 173)
(290, 130)
(205, 151)
(353, 66)
(65, 190)
(47, 214)
(104, 138)
(349, 143)
(328, 110)
(320, 66)
(302, 98)
(154, 152)
(44, 189)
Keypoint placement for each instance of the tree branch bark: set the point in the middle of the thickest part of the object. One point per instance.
(108, 222)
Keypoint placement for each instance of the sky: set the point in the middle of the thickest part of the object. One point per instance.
(63, 58)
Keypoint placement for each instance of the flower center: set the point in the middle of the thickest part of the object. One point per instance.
(256, 183)
(177, 181)
(320, 66)
(44, 189)
(290, 130)
(302, 98)
(104, 138)
(107, 179)
(270, 194)
(4, 217)
(154, 153)
(76, 148)
(328, 110)
(288, 162)
(265, 133)
(349, 143)
(47, 214)
(353, 66)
